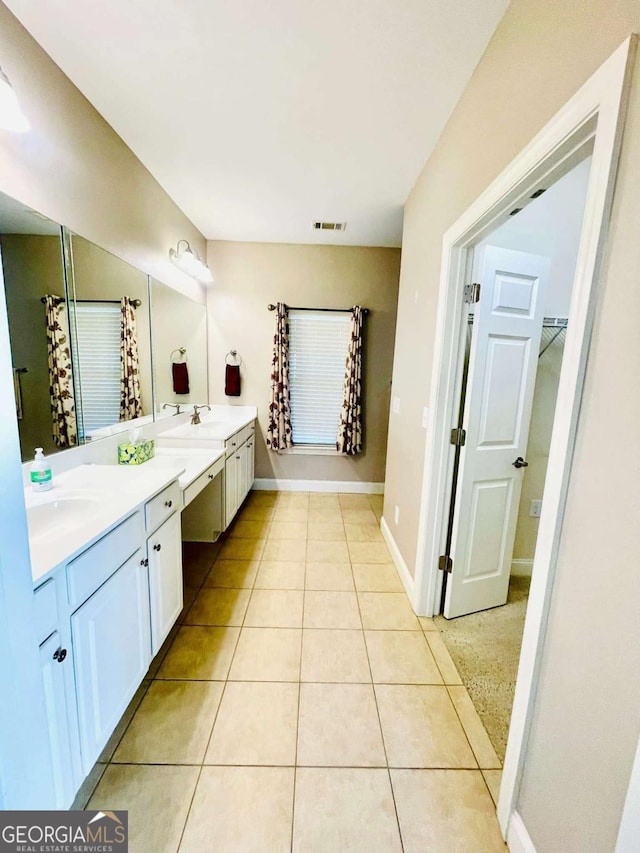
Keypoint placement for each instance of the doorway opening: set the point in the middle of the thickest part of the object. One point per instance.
(513, 349)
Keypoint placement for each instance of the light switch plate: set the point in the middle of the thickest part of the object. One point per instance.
(535, 509)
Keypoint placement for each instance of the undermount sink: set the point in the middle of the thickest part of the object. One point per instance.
(60, 514)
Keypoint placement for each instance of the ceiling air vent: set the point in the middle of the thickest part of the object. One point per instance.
(329, 226)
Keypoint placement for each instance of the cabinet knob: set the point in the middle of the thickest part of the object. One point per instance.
(157, 547)
(168, 504)
(233, 444)
(144, 562)
(60, 654)
(237, 457)
(211, 476)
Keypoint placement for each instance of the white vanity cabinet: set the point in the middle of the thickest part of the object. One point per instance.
(53, 657)
(239, 470)
(164, 550)
(112, 651)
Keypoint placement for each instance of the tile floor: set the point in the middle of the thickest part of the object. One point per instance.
(300, 705)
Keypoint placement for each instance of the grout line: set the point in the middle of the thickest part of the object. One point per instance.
(438, 768)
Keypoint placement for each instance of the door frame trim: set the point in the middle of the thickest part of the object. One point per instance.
(594, 115)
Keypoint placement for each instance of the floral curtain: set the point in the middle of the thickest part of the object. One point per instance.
(130, 397)
(279, 435)
(350, 429)
(63, 404)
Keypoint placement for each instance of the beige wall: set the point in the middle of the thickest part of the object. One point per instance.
(248, 276)
(32, 268)
(74, 168)
(588, 708)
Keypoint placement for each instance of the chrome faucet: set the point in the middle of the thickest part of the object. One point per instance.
(175, 406)
(195, 417)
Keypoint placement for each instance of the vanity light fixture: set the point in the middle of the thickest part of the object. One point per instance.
(11, 115)
(189, 261)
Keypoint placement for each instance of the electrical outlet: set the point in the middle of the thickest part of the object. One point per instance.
(396, 514)
(396, 405)
(535, 509)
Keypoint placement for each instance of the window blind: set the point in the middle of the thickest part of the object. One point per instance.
(97, 363)
(318, 344)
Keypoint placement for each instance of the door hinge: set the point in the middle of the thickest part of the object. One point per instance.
(458, 436)
(445, 563)
(472, 293)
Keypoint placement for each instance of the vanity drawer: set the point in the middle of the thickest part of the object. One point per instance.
(233, 443)
(162, 506)
(194, 489)
(46, 610)
(92, 568)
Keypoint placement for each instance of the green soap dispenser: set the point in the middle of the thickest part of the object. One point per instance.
(41, 478)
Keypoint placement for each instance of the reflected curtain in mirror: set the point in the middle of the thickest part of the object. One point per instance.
(63, 410)
(350, 431)
(279, 435)
(130, 397)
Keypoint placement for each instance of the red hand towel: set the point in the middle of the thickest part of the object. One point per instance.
(180, 374)
(232, 380)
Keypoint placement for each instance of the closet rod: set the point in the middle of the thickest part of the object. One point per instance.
(135, 302)
(272, 307)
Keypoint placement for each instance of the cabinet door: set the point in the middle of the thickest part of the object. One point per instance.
(112, 653)
(251, 463)
(165, 579)
(53, 679)
(230, 488)
(243, 472)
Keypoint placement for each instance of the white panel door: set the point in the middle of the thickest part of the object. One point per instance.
(53, 659)
(230, 489)
(502, 373)
(112, 653)
(165, 579)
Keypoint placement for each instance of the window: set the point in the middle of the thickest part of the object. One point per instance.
(318, 344)
(97, 363)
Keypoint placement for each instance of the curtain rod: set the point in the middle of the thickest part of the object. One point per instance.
(135, 302)
(272, 307)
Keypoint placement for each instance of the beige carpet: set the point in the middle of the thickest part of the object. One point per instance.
(486, 648)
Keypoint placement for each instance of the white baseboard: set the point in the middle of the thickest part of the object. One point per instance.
(518, 839)
(403, 570)
(352, 486)
(522, 568)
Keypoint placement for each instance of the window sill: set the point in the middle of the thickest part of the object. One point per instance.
(312, 450)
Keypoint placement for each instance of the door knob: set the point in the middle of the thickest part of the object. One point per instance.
(520, 463)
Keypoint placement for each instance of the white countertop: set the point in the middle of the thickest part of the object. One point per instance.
(87, 502)
(218, 425)
(193, 461)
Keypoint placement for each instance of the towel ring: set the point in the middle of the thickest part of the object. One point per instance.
(234, 354)
(182, 354)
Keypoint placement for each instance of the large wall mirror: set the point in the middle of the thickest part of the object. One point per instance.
(97, 347)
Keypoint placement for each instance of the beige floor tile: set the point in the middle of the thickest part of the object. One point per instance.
(326, 515)
(401, 657)
(359, 516)
(288, 530)
(327, 552)
(331, 610)
(172, 724)
(189, 595)
(291, 550)
(242, 549)
(233, 574)
(443, 658)
(363, 533)
(323, 500)
(241, 810)
(157, 799)
(334, 656)
(388, 611)
(442, 810)
(275, 608)
(280, 574)
(291, 514)
(327, 576)
(85, 792)
(120, 729)
(376, 502)
(493, 778)
(155, 664)
(344, 811)
(262, 497)
(256, 724)
(200, 553)
(369, 552)
(200, 653)
(218, 607)
(256, 512)
(421, 727)
(475, 731)
(299, 500)
(376, 577)
(338, 726)
(249, 529)
(267, 654)
(330, 531)
(354, 501)
(427, 624)
(194, 574)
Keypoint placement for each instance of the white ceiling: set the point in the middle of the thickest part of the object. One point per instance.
(259, 117)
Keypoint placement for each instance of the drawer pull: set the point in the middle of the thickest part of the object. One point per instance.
(60, 654)
(157, 547)
(168, 504)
